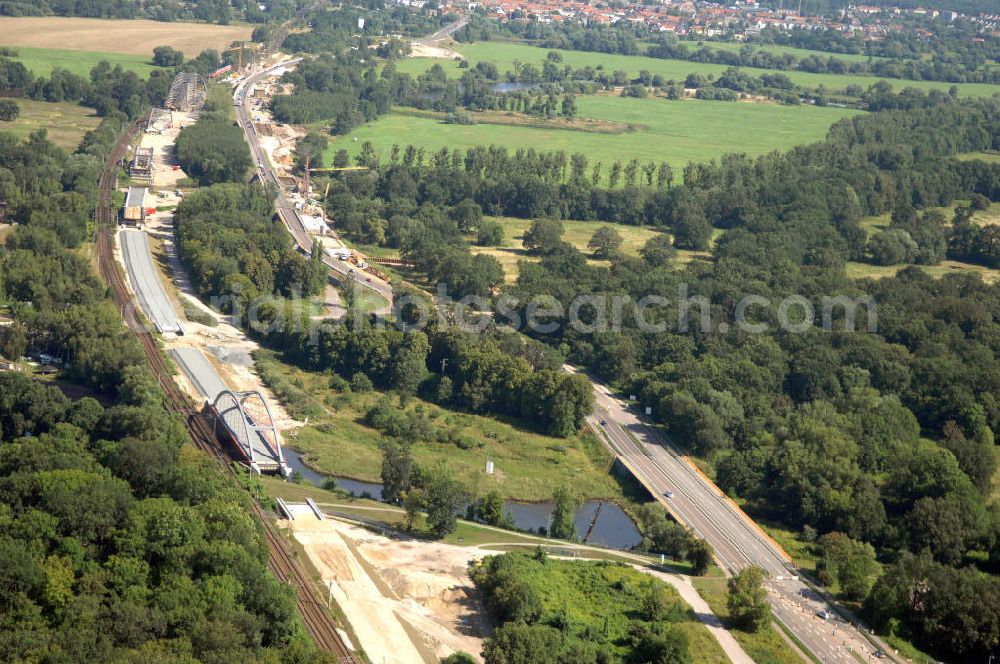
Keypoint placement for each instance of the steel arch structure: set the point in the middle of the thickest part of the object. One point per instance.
(248, 421)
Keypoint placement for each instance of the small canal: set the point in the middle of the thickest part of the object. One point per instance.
(597, 522)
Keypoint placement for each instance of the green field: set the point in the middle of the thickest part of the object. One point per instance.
(505, 53)
(688, 130)
(529, 466)
(66, 123)
(41, 61)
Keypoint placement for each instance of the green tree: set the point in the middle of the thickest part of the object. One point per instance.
(443, 496)
(543, 236)
(699, 553)
(167, 56)
(605, 242)
(397, 470)
(9, 110)
(14, 341)
(490, 508)
(658, 250)
(566, 503)
(413, 503)
(747, 601)
(489, 234)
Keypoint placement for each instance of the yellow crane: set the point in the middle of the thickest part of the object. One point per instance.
(241, 48)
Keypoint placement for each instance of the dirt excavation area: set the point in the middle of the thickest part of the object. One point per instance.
(406, 601)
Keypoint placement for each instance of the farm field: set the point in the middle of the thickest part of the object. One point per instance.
(41, 61)
(505, 53)
(135, 37)
(529, 465)
(65, 122)
(678, 132)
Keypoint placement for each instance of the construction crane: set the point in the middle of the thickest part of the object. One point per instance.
(241, 48)
(332, 169)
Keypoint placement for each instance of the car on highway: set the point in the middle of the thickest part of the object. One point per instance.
(823, 615)
(668, 494)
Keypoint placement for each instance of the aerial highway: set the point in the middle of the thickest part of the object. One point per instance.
(738, 542)
(345, 271)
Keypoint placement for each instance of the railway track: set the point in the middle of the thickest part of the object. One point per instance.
(280, 561)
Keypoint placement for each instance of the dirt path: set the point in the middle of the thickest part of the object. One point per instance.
(734, 651)
(407, 601)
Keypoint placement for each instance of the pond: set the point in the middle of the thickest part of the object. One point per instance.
(597, 522)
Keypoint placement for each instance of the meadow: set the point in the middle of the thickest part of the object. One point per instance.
(66, 123)
(503, 54)
(678, 132)
(578, 233)
(875, 224)
(41, 61)
(529, 465)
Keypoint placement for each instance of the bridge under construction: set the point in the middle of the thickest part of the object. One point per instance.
(242, 420)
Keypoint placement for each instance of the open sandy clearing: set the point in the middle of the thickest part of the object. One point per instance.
(407, 601)
(119, 36)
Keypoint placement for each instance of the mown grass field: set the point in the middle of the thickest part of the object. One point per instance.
(135, 37)
(682, 131)
(41, 61)
(529, 465)
(503, 54)
(66, 123)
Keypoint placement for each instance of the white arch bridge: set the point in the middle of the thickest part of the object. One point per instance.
(244, 420)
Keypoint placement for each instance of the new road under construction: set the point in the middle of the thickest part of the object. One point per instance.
(281, 561)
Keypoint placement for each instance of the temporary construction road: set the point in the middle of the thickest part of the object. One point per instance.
(346, 273)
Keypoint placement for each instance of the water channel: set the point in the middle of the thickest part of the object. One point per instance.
(601, 523)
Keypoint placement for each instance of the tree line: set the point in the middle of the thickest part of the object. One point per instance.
(211, 11)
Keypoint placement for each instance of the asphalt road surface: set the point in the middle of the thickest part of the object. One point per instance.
(145, 281)
(286, 211)
(737, 541)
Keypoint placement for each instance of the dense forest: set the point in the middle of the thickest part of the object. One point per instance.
(212, 150)
(119, 542)
(234, 246)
